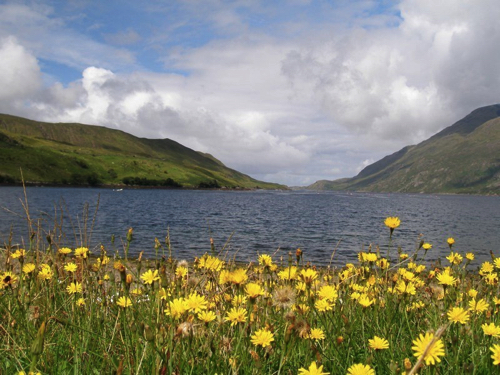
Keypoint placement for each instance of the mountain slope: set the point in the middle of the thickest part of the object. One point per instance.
(462, 158)
(84, 154)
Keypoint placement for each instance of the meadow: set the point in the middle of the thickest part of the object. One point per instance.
(92, 310)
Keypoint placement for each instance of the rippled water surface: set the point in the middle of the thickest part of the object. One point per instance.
(253, 222)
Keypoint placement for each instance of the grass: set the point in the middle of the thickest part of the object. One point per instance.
(91, 310)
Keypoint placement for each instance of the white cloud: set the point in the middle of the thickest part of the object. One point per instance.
(20, 75)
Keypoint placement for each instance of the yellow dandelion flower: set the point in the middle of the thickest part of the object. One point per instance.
(124, 302)
(265, 260)
(236, 315)
(196, 303)
(210, 263)
(70, 267)
(136, 292)
(80, 302)
(64, 250)
(150, 276)
(181, 272)
(19, 253)
(427, 246)
(254, 290)
(454, 258)
(392, 222)
(238, 276)
(450, 241)
(365, 301)
(289, 273)
(491, 329)
(378, 343)
(28, 268)
(73, 288)
(323, 305)
(308, 275)
(316, 334)
(445, 278)
(478, 306)
(470, 256)
(328, 292)
(431, 350)
(206, 316)
(239, 300)
(313, 370)
(81, 252)
(45, 272)
(458, 315)
(472, 293)
(262, 337)
(176, 308)
(496, 354)
(486, 268)
(360, 369)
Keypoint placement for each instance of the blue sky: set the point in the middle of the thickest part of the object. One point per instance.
(287, 91)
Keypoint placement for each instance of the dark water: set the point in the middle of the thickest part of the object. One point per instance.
(260, 221)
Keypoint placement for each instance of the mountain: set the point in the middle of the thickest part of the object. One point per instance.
(462, 158)
(77, 154)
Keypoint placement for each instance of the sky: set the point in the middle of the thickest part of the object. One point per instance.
(286, 91)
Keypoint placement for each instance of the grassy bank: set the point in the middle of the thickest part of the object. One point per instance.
(65, 311)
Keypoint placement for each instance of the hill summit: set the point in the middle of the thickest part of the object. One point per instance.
(462, 158)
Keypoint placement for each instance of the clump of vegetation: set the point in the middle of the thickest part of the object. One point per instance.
(142, 181)
(86, 310)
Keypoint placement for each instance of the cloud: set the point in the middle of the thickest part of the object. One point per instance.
(20, 75)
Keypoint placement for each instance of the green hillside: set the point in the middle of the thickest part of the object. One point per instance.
(463, 158)
(77, 154)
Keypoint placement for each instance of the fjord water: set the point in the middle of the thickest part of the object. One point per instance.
(249, 223)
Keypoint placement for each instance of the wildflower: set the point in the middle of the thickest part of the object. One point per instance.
(262, 337)
(360, 369)
(392, 223)
(369, 257)
(265, 260)
(210, 263)
(486, 268)
(427, 246)
(196, 303)
(496, 354)
(176, 308)
(470, 256)
(181, 272)
(458, 315)
(365, 301)
(316, 334)
(45, 272)
(28, 268)
(404, 288)
(454, 258)
(491, 329)
(75, 287)
(313, 370)
(70, 267)
(478, 306)
(289, 273)
(136, 292)
(8, 278)
(80, 302)
(403, 256)
(150, 276)
(254, 290)
(238, 276)
(383, 263)
(491, 278)
(445, 278)
(450, 241)
(81, 252)
(328, 292)
(19, 253)
(206, 316)
(236, 315)
(323, 305)
(432, 352)
(378, 343)
(124, 302)
(308, 275)
(64, 250)
(472, 293)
